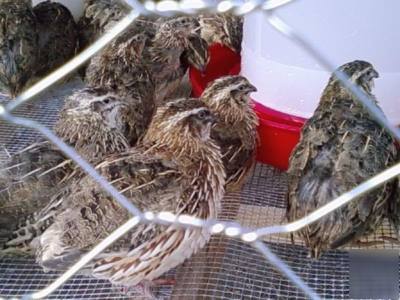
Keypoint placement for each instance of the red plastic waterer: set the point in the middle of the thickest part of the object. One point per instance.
(279, 132)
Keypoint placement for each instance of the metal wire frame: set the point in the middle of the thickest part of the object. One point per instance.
(249, 235)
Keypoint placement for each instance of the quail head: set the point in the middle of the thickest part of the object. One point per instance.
(236, 129)
(224, 28)
(58, 36)
(195, 55)
(98, 16)
(166, 57)
(174, 32)
(340, 146)
(95, 122)
(177, 168)
(18, 45)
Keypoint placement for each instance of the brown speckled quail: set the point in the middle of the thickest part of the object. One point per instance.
(236, 129)
(195, 55)
(98, 16)
(18, 45)
(119, 69)
(177, 168)
(223, 28)
(341, 146)
(165, 58)
(147, 53)
(58, 36)
(95, 122)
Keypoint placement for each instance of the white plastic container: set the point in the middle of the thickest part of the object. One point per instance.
(289, 80)
(74, 6)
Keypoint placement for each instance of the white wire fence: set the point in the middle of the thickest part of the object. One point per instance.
(234, 230)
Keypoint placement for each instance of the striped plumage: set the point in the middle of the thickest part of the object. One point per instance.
(18, 45)
(177, 168)
(118, 68)
(195, 55)
(236, 129)
(95, 122)
(165, 57)
(169, 46)
(222, 28)
(58, 36)
(341, 146)
(98, 16)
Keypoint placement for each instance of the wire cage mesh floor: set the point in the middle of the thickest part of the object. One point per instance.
(225, 269)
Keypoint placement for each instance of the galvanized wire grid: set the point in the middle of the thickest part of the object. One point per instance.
(244, 237)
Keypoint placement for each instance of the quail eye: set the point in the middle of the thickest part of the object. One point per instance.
(241, 88)
(106, 101)
(202, 114)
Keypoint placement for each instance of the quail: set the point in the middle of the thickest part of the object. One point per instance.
(236, 129)
(98, 16)
(118, 68)
(95, 122)
(223, 28)
(195, 55)
(18, 45)
(58, 36)
(165, 58)
(177, 168)
(150, 52)
(340, 146)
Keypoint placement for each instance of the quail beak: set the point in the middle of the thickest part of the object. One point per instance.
(374, 74)
(212, 120)
(204, 67)
(370, 83)
(196, 31)
(202, 70)
(251, 89)
(230, 46)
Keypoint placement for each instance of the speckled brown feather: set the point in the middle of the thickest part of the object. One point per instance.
(95, 122)
(177, 168)
(98, 16)
(25, 180)
(164, 57)
(118, 68)
(195, 55)
(341, 145)
(236, 131)
(18, 45)
(225, 29)
(58, 36)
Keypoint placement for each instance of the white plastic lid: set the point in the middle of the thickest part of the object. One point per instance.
(288, 79)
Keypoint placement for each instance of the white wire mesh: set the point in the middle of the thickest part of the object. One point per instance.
(240, 215)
